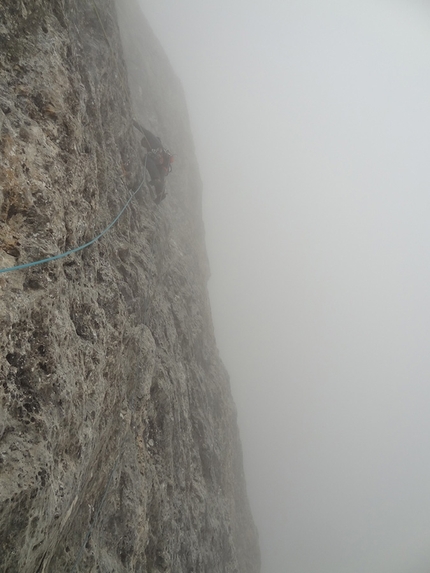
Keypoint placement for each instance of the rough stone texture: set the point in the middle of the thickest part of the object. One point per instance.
(119, 449)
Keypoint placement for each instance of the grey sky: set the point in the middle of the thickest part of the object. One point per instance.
(312, 127)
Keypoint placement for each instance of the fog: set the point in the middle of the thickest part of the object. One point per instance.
(312, 129)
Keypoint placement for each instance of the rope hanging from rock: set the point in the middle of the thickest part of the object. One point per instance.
(67, 253)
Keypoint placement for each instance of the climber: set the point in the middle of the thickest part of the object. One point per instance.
(158, 161)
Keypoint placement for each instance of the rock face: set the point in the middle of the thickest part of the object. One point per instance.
(119, 450)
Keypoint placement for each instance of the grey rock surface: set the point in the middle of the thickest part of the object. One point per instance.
(119, 448)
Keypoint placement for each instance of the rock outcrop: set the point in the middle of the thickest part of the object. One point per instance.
(119, 449)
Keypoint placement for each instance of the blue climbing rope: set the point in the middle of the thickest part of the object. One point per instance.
(66, 254)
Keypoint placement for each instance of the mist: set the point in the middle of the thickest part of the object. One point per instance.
(312, 129)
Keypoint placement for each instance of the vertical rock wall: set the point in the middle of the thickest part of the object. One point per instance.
(119, 449)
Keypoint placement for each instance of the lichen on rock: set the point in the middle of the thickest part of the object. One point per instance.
(119, 449)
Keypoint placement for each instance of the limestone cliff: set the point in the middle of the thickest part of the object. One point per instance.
(119, 450)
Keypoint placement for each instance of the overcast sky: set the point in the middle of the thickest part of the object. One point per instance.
(312, 128)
